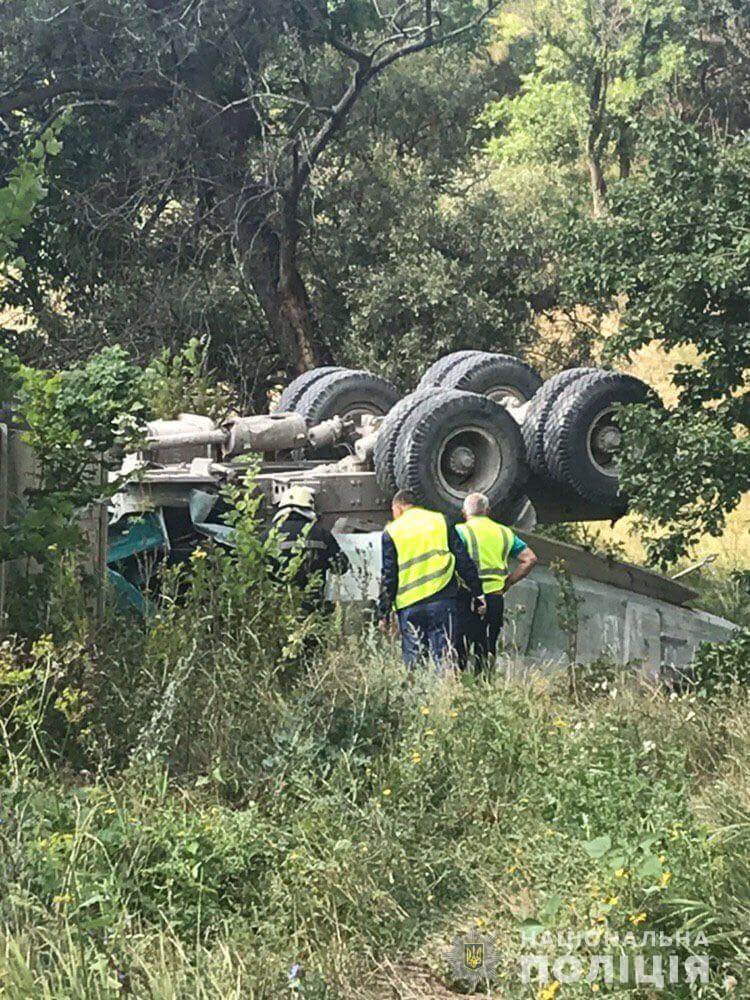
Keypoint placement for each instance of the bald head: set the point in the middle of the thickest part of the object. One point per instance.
(476, 505)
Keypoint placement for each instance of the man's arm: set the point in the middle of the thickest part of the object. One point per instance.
(526, 562)
(389, 576)
(465, 566)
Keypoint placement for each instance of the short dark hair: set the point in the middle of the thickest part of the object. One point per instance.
(404, 498)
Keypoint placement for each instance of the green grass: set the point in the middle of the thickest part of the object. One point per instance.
(363, 821)
(194, 804)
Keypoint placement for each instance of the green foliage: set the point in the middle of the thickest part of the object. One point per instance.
(727, 595)
(24, 189)
(426, 270)
(596, 70)
(342, 819)
(181, 381)
(719, 668)
(674, 247)
(71, 419)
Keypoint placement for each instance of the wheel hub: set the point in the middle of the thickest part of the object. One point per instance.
(608, 439)
(603, 442)
(469, 459)
(462, 460)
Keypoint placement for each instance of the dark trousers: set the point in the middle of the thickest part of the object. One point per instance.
(430, 628)
(480, 635)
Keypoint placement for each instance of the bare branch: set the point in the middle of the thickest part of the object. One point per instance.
(361, 58)
(87, 88)
(365, 72)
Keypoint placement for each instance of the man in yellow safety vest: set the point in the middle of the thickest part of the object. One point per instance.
(421, 555)
(491, 545)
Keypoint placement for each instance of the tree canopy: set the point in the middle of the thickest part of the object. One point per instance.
(378, 184)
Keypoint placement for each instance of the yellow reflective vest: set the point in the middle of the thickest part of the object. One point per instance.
(489, 545)
(425, 562)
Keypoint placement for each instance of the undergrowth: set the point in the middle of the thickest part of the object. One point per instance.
(230, 825)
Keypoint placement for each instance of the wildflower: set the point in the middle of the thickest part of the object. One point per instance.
(430, 897)
(666, 878)
(637, 918)
(429, 732)
(199, 553)
(363, 848)
(416, 758)
(480, 921)
(424, 710)
(386, 792)
(61, 900)
(595, 987)
(612, 900)
(560, 723)
(453, 714)
(621, 873)
(548, 993)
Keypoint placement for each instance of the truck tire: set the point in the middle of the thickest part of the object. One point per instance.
(582, 438)
(344, 394)
(540, 407)
(456, 444)
(440, 368)
(385, 445)
(499, 376)
(298, 386)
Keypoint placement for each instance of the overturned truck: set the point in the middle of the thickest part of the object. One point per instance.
(542, 451)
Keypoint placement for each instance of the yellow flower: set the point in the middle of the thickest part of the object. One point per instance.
(621, 873)
(363, 848)
(199, 553)
(61, 900)
(453, 714)
(416, 758)
(666, 878)
(480, 921)
(430, 897)
(429, 732)
(548, 993)
(424, 710)
(637, 918)
(595, 987)
(612, 901)
(560, 723)
(386, 792)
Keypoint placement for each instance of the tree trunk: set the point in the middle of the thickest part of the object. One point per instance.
(598, 185)
(625, 151)
(281, 291)
(594, 143)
